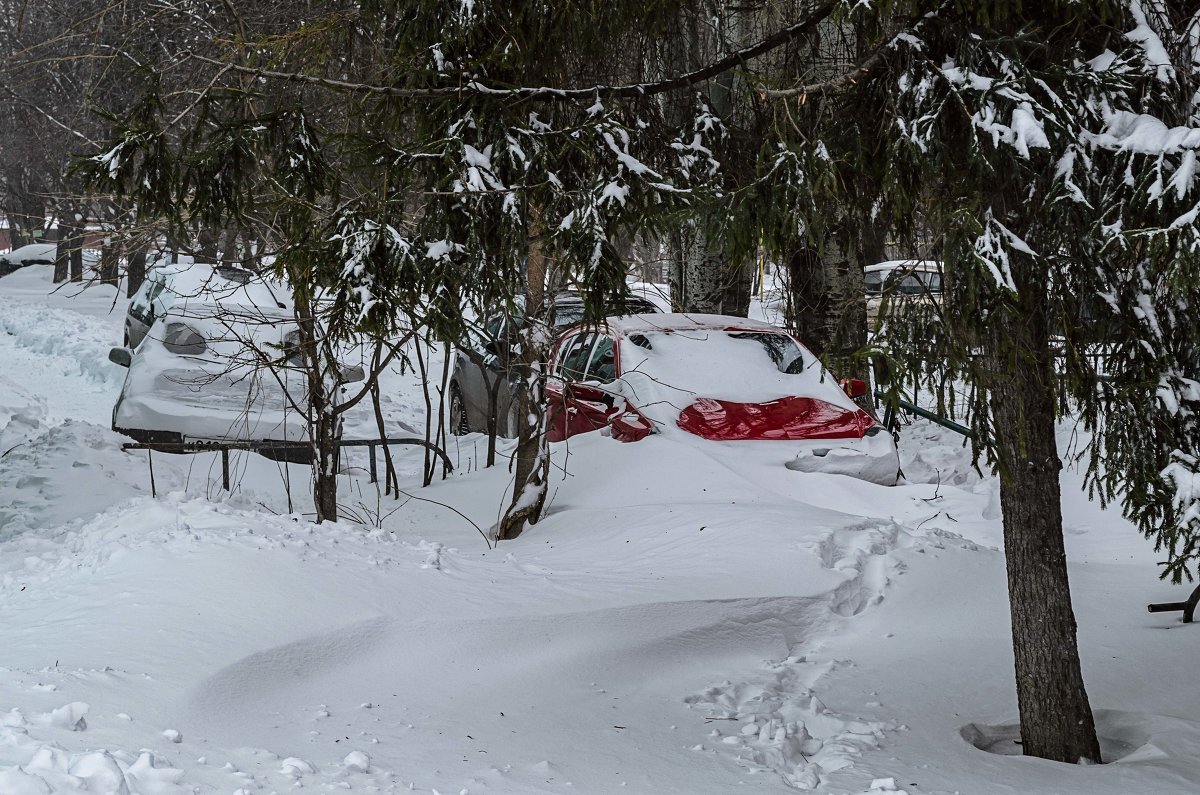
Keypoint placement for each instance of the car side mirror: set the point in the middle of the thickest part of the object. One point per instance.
(121, 356)
(578, 391)
(854, 387)
(629, 427)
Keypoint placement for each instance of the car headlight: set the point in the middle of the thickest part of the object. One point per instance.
(183, 339)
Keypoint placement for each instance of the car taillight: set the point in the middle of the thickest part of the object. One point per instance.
(183, 339)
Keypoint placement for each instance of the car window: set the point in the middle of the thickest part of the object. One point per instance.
(143, 305)
(160, 298)
(874, 283)
(602, 364)
(782, 349)
(141, 299)
(910, 284)
(567, 314)
(573, 356)
(491, 332)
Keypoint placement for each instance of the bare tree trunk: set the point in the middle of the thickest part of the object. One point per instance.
(109, 258)
(1056, 718)
(207, 241)
(826, 305)
(704, 280)
(322, 419)
(62, 253)
(75, 247)
(135, 272)
(533, 451)
(229, 251)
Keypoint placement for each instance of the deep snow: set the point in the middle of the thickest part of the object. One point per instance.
(687, 619)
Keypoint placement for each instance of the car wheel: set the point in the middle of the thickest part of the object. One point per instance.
(459, 426)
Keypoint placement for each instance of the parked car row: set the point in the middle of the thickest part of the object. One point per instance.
(720, 378)
(211, 355)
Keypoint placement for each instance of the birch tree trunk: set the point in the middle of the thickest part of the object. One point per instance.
(703, 277)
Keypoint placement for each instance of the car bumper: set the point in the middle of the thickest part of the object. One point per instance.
(152, 419)
(872, 458)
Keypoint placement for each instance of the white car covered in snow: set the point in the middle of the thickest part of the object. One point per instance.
(215, 368)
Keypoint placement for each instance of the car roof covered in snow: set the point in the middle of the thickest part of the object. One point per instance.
(905, 264)
(199, 283)
(680, 321)
(34, 252)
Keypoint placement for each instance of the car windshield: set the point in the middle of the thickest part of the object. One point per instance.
(902, 281)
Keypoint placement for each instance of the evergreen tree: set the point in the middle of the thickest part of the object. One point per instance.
(1051, 149)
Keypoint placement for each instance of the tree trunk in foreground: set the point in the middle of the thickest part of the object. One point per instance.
(533, 451)
(1056, 719)
(322, 416)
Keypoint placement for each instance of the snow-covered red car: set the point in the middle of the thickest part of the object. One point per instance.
(728, 380)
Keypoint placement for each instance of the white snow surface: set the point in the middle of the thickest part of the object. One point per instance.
(679, 622)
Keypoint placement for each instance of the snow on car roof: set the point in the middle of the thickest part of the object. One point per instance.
(909, 264)
(681, 321)
(198, 283)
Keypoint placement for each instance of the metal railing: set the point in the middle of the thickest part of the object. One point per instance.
(277, 447)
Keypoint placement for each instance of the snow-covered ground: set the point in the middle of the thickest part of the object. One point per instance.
(685, 619)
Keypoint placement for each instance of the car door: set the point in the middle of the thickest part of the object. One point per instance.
(474, 381)
(578, 400)
(568, 364)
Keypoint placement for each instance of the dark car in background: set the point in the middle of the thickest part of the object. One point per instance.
(33, 254)
(903, 285)
(485, 366)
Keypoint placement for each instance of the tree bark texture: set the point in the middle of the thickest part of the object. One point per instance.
(62, 257)
(322, 417)
(532, 462)
(826, 303)
(136, 272)
(75, 237)
(704, 280)
(109, 258)
(1056, 718)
